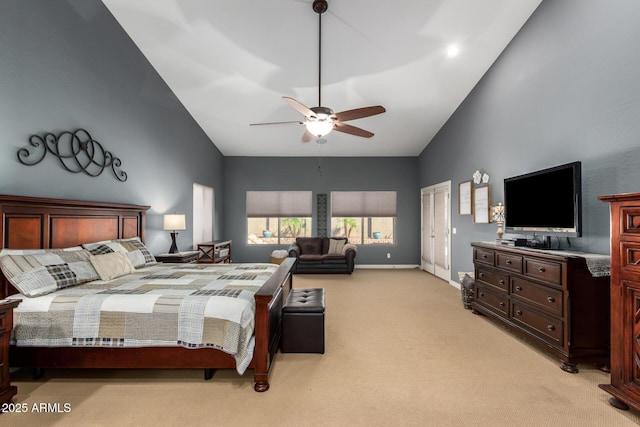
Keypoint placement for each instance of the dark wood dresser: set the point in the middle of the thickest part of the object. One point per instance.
(625, 300)
(549, 298)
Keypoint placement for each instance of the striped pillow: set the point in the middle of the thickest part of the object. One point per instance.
(133, 248)
(39, 272)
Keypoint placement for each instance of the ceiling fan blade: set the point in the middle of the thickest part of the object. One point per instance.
(359, 113)
(352, 130)
(298, 106)
(297, 122)
(307, 136)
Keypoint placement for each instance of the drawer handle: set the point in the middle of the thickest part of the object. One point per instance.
(484, 256)
(481, 294)
(519, 312)
(509, 262)
(518, 288)
(551, 328)
(501, 304)
(480, 274)
(551, 299)
(541, 269)
(501, 282)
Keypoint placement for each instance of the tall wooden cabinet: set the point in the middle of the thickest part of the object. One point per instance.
(549, 298)
(625, 300)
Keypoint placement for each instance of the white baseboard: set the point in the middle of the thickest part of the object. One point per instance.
(454, 284)
(387, 266)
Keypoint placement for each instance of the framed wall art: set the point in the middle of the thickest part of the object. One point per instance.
(465, 205)
(481, 205)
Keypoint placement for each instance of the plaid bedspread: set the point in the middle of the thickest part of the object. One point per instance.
(189, 305)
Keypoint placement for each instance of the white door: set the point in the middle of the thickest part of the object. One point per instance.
(428, 263)
(436, 226)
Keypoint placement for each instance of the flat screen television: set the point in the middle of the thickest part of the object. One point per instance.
(546, 202)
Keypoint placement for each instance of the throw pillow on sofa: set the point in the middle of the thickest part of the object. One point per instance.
(335, 246)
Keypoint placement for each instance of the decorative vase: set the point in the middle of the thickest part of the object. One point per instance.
(266, 233)
(376, 234)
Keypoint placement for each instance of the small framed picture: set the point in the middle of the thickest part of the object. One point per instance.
(481, 205)
(465, 205)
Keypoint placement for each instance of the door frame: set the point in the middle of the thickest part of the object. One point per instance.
(443, 273)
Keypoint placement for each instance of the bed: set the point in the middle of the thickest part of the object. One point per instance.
(29, 224)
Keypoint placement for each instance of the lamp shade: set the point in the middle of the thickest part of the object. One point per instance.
(175, 222)
(319, 128)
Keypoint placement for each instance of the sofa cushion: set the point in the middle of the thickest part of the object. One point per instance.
(309, 245)
(311, 257)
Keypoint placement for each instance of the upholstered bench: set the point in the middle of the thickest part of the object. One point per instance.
(303, 322)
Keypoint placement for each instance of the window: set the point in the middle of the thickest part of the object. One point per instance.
(202, 214)
(278, 217)
(364, 217)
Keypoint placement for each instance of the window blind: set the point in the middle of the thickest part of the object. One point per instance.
(363, 203)
(261, 204)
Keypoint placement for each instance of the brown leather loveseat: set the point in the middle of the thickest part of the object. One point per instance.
(323, 255)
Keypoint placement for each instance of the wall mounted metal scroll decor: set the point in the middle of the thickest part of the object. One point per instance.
(77, 152)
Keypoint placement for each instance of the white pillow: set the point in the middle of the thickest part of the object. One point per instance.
(112, 265)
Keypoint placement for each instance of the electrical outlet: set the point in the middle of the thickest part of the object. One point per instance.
(388, 255)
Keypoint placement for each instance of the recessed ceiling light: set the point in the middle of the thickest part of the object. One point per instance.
(453, 50)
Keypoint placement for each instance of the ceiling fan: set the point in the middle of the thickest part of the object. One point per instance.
(319, 121)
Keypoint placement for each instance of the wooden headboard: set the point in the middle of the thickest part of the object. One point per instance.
(44, 223)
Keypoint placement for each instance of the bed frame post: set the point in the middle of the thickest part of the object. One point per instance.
(269, 300)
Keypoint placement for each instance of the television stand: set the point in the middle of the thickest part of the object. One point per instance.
(551, 299)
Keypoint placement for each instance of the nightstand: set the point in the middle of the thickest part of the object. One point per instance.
(7, 391)
(179, 257)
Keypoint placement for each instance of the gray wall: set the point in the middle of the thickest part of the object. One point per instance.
(398, 174)
(565, 89)
(68, 64)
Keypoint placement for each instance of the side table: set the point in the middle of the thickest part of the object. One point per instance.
(7, 391)
(214, 252)
(178, 257)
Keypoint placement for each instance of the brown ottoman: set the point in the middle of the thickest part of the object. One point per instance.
(303, 322)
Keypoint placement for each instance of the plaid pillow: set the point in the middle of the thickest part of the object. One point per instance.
(133, 248)
(39, 272)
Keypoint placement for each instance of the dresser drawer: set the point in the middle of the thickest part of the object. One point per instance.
(630, 221)
(493, 277)
(484, 256)
(494, 301)
(630, 256)
(547, 327)
(544, 270)
(509, 262)
(545, 297)
(4, 370)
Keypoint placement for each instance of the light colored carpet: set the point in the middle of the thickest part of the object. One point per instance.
(400, 350)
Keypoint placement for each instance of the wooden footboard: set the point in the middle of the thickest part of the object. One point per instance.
(34, 223)
(269, 301)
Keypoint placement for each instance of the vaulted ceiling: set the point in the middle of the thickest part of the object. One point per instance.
(230, 62)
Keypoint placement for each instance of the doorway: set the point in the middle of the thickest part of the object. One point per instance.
(436, 230)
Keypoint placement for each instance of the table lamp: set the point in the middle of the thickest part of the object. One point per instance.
(174, 222)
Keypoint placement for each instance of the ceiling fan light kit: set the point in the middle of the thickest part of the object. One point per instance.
(320, 121)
